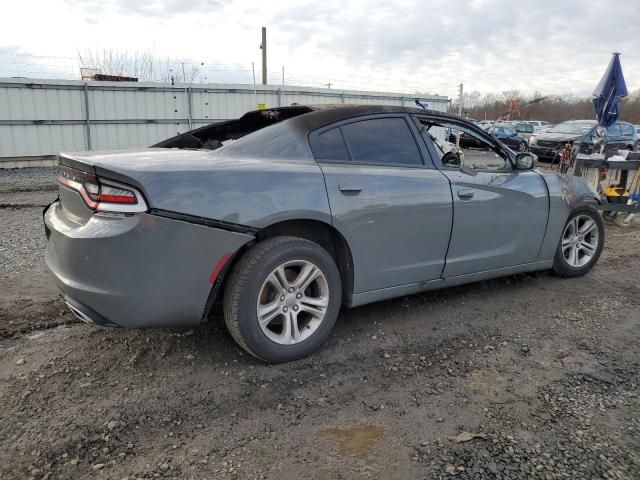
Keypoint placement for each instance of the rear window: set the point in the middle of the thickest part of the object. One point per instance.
(276, 141)
(385, 141)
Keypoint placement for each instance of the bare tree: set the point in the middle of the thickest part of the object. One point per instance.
(141, 65)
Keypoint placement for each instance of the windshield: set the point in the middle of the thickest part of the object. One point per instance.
(572, 127)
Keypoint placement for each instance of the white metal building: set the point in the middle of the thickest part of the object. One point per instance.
(43, 117)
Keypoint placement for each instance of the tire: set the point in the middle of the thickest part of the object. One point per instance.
(522, 147)
(572, 240)
(254, 281)
(624, 219)
(636, 146)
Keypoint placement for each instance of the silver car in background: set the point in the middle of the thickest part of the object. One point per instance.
(286, 215)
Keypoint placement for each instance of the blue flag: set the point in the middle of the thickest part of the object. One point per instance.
(608, 93)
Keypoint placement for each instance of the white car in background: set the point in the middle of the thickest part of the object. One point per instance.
(540, 125)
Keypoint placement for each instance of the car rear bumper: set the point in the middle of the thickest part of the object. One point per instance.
(139, 270)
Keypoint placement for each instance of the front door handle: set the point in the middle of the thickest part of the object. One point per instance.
(349, 188)
(465, 194)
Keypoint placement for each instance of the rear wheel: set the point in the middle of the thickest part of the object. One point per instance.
(282, 299)
(581, 243)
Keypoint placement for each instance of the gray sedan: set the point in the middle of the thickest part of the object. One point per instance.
(285, 215)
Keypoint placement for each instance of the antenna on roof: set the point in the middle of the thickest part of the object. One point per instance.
(419, 103)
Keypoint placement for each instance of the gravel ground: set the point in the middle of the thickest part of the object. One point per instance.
(525, 377)
(28, 179)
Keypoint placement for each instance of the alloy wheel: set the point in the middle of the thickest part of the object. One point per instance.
(580, 241)
(293, 302)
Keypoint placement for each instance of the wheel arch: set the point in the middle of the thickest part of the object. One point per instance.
(325, 235)
(322, 233)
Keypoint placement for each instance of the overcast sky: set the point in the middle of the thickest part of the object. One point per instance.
(551, 46)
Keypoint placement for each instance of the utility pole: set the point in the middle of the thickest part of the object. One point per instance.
(459, 113)
(282, 74)
(255, 93)
(263, 47)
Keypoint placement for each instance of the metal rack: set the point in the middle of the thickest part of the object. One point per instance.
(631, 164)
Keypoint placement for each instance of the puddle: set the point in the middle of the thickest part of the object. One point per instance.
(356, 440)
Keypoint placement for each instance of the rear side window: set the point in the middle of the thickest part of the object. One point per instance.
(386, 141)
(330, 145)
(613, 130)
(627, 129)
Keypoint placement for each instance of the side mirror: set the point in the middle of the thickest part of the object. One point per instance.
(526, 161)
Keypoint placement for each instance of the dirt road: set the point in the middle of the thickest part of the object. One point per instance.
(542, 372)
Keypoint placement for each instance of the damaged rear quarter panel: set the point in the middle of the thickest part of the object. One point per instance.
(250, 191)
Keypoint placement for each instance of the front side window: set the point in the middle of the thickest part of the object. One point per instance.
(384, 141)
(473, 151)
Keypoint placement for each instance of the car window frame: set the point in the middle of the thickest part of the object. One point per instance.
(631, 129)
(437, 160)
(618, 134)
(426, 160)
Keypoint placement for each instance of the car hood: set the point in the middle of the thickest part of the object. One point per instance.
(557, 137)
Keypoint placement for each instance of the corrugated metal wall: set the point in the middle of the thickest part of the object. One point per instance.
(42, 117)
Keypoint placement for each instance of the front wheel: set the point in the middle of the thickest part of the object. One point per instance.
(282, 299)
(581, 243)
(522, 147)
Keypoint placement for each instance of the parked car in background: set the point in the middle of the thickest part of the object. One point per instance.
(502, 131)
(507, 134)
(540, 125)
(308, 210)
(581, 134)
(524, 129)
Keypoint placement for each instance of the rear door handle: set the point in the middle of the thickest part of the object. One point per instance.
(349, 188)
(465, 194)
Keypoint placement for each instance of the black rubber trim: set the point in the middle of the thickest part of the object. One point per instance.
(44, 211)
(229, 226)
(215, 289)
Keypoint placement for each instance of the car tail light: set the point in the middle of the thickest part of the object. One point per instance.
(102, 195)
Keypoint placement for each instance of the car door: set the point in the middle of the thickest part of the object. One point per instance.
(499, 214)
(394, 210)
(614, 137)
(628, 136)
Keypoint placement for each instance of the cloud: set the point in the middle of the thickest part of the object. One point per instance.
(147, 8)
(403, 45)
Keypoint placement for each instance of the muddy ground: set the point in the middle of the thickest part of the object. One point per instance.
(542, 372)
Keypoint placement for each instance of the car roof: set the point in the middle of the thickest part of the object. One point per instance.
(321, 115)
